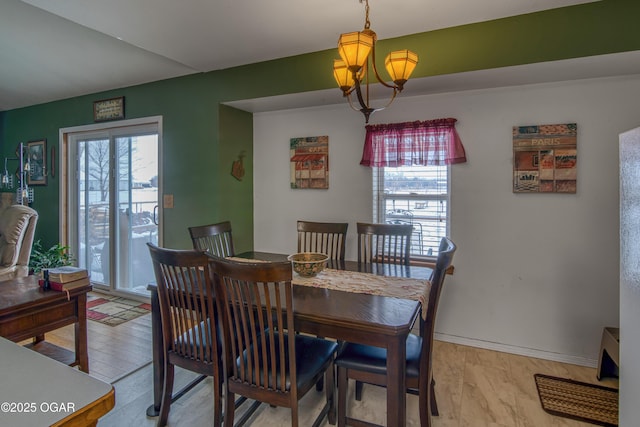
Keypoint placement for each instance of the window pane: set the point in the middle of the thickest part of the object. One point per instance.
(416, 195)
(93, 197)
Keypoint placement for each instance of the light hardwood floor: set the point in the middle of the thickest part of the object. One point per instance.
(114, 351)
(475, 387)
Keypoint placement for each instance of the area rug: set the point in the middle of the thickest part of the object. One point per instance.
(590, 403)
(113, 310)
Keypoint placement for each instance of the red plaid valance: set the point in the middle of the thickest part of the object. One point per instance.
(419, 143)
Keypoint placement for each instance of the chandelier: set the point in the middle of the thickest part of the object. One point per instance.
(358, 60)
(24, 194)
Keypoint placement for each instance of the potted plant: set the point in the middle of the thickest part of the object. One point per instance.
(56, 256)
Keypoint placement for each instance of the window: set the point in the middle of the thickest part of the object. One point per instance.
(410, 164)
(416, 195)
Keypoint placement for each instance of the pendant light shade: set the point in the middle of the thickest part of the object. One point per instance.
(343, 76)
(354, 49)
(400, 64)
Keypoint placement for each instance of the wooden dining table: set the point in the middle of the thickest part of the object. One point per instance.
(355, 317)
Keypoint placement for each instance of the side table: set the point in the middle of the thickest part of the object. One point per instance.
(27, 311)
(609, 353)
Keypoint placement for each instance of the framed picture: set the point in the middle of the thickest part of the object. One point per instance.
(108, 109)
(545, 158)
(37, 157)
(309, 162)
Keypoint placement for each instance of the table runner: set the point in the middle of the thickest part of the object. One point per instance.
(371, 284)
(364, 283)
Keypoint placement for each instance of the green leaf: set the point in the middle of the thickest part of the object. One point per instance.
(56, 256)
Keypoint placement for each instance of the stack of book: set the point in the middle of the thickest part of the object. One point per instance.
(65, 278)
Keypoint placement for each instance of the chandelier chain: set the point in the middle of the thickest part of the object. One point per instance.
(367, 24)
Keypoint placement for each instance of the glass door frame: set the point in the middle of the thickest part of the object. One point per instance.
(67, 164)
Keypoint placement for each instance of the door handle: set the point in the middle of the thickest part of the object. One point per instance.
(155, 214)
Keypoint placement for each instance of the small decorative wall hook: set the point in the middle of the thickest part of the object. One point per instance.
(237, 168)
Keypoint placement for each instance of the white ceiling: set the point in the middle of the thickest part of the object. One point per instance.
(58, 49)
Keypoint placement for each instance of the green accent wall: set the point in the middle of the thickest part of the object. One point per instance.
(236, 144)
(202, 138)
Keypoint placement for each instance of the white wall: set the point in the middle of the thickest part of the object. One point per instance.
(535, 274)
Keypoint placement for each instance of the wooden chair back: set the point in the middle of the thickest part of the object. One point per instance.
(427, 326)
(325, 237)
(216, 239)
(187, 304)
(245, 291)
(384, 243)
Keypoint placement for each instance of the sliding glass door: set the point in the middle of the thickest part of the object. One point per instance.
(114, 198)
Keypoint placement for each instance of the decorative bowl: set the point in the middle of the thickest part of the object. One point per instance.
(308, 264)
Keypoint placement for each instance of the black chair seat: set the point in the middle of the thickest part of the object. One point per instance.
(372, 359)
(196, 340)
(193, 337)
(312, 354)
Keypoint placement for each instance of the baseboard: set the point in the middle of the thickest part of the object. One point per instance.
(521, 351)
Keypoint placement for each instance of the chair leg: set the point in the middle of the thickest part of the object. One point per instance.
(433, 404)
(359, 385)
(294, 414)
(425, 403)
(425, 416)
(166, 395)
(217, 401)
(320, 383)
(331, 400)
(229, 409)
(342, 397)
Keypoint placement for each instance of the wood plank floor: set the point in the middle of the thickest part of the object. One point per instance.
(114, 351)
(475, 387)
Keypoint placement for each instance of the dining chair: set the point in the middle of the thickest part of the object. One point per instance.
(368, 364)
(325, 237)
(384, 243)
(188, 318)
(216, 239)
(277, 366)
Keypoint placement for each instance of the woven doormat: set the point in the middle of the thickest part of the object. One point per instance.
(590, 403)
(112, 310)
